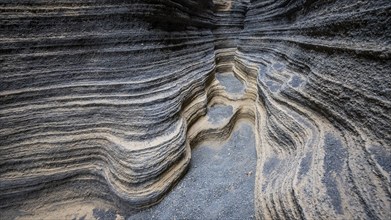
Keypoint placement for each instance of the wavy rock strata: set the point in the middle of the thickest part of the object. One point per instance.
(102, 102)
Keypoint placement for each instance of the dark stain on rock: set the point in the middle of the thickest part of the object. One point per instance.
(101, 214)
(382, 157)
(273, 86)
(262, 72)
(305, 165)
(335, 155)
(278, 66)
(296, 81)
(270, 165)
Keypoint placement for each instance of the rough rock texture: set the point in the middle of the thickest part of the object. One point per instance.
(102, 102)
(93, 96)
(322, 71)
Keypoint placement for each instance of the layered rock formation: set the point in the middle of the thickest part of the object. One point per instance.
(102, 102)
(323, 77)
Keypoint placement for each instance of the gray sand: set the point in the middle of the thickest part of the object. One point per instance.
(231, 83)
(217, 113)
(218, 185)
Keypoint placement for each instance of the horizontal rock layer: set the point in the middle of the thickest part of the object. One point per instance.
(102, 101)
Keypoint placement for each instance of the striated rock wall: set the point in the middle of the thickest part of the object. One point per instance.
(102, 101)
(323, 77)
(92, 94)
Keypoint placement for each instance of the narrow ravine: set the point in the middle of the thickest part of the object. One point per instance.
(220, 181)
(209, 109)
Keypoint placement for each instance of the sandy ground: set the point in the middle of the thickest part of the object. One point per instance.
(218, 185)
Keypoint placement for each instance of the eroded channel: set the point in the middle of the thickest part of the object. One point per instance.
(218, 185)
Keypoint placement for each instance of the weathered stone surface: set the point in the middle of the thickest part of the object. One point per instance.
(103, 101)
(323, 77)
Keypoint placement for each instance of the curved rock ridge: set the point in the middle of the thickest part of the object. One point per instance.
(103, 101)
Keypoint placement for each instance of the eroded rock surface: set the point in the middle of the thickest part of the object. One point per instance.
(103, 101)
